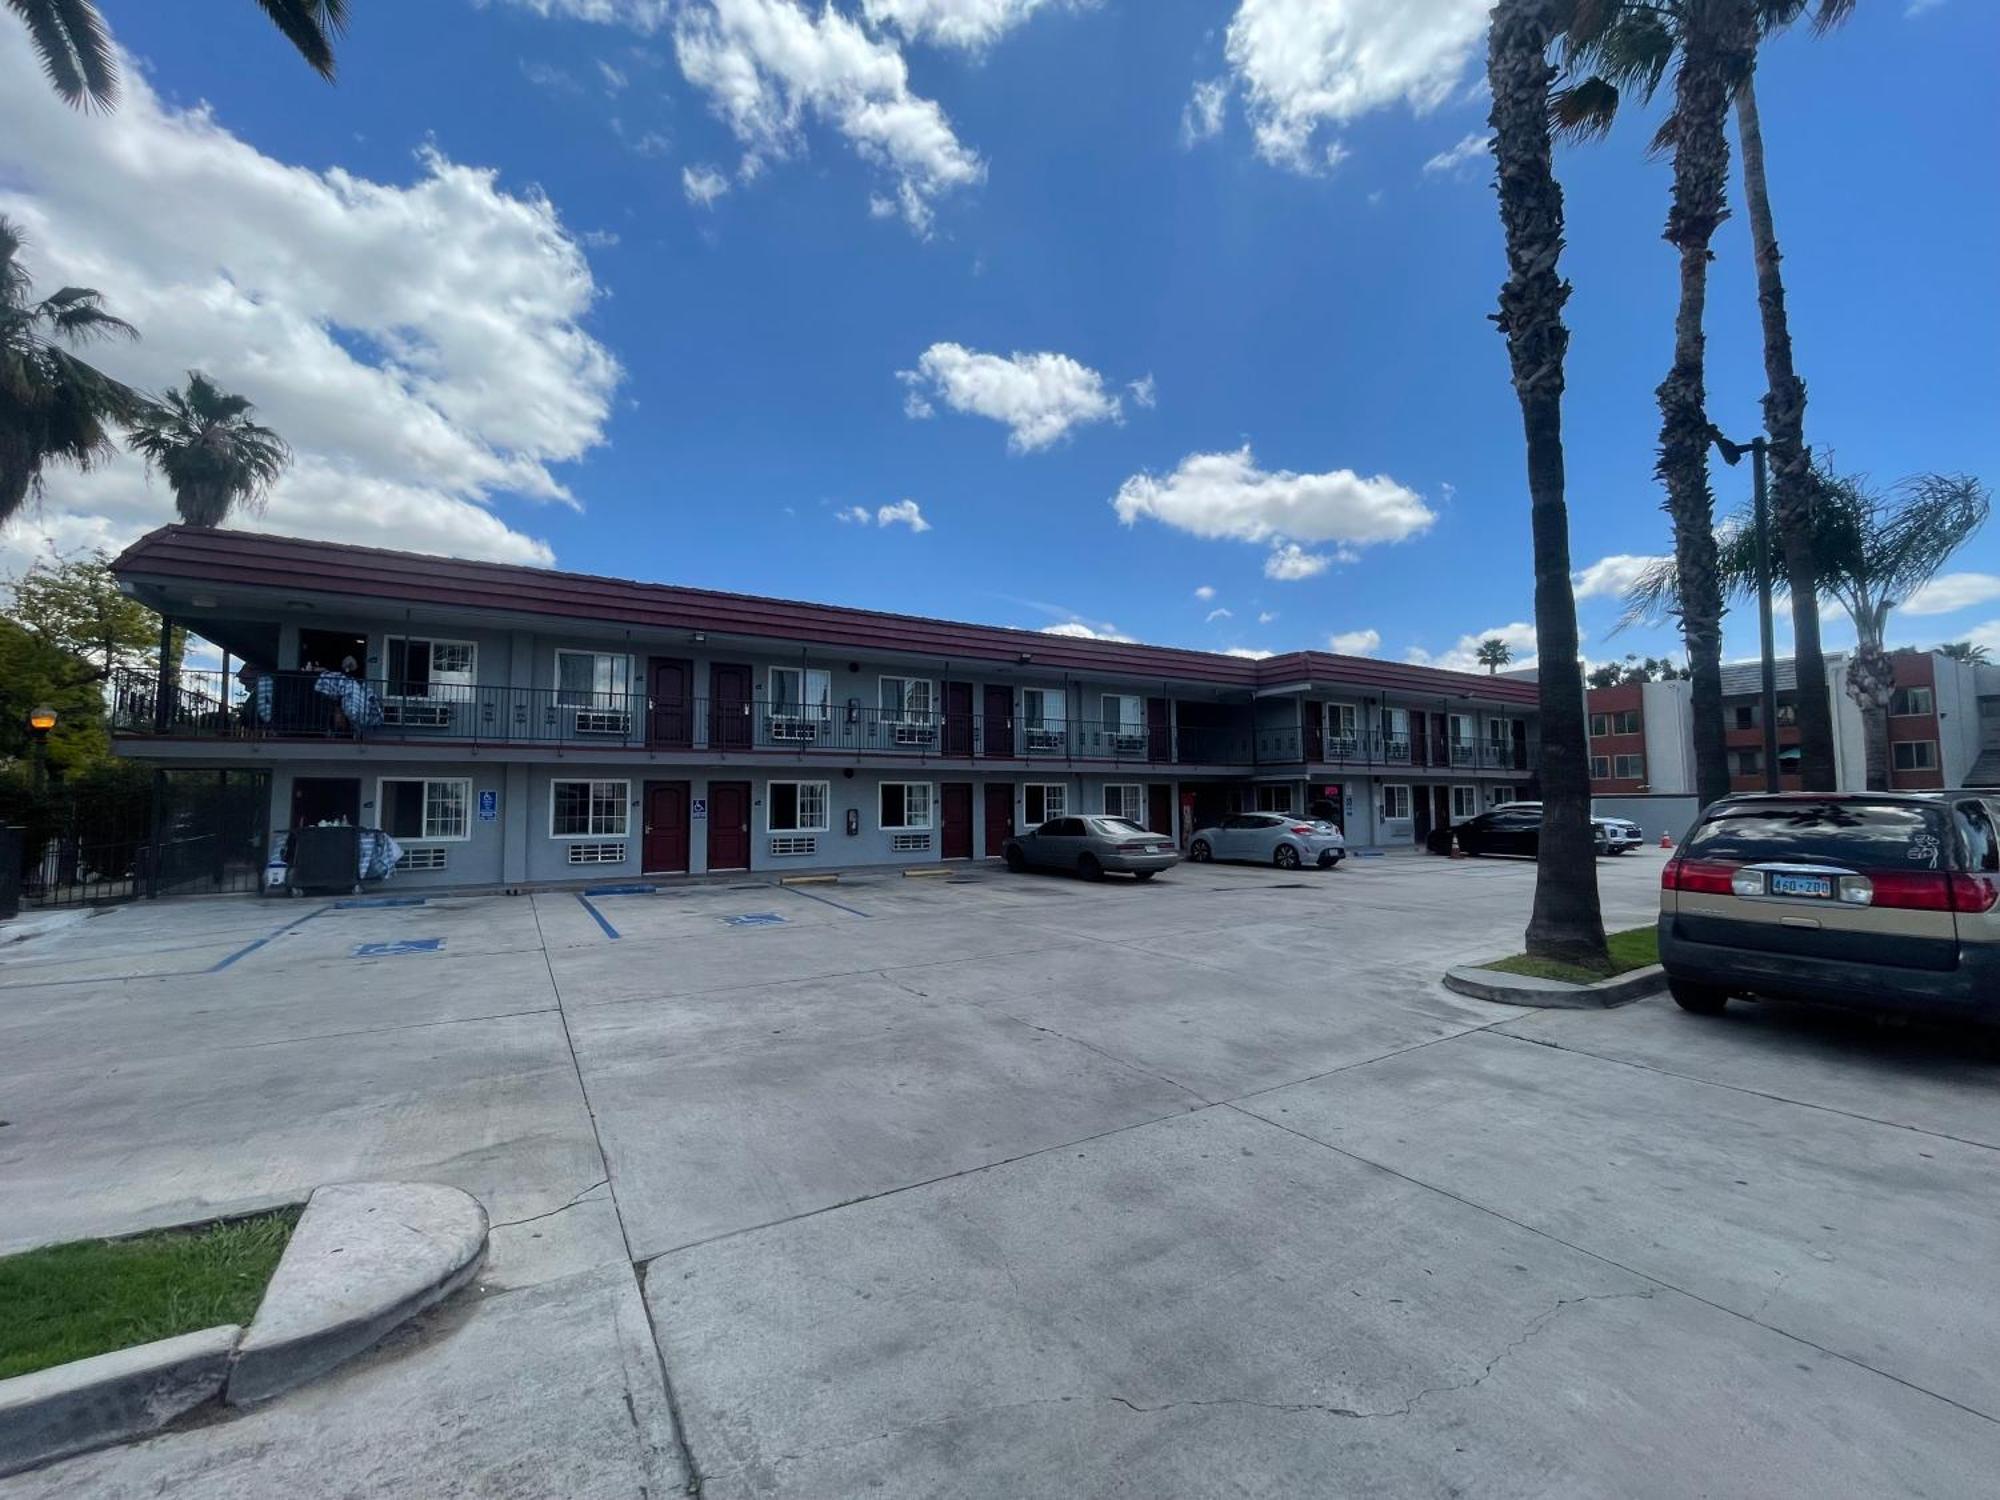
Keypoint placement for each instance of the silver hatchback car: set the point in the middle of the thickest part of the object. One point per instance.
(1271, 839)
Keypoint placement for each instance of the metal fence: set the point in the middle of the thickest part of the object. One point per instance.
(201, 832)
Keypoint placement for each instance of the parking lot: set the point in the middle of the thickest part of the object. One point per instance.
(998, 1185)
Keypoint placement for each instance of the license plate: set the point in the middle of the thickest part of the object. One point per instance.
(1802, 885)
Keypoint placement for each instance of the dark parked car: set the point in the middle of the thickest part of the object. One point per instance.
(1516, 828)
(1874, 901)
(1092, 847)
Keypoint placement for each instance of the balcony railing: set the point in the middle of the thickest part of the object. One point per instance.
(326, 706)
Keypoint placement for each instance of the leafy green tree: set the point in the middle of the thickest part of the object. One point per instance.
(75, 47)
(1871, 551)
(1567, 923)
(54, 408)
(75, 604)
(213, 455)
(1493, 654)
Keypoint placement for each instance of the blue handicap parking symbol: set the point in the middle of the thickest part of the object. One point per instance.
(756, 919)
(402, 945)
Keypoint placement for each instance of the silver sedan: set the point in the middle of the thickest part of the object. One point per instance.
(1271, 839)
(1092, 847)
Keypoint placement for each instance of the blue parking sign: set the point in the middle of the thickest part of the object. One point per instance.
(489, 806)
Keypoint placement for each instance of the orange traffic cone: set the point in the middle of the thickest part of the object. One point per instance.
(1666, 841)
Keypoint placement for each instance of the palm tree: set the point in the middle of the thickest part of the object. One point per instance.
(1493, 654)
(1632, 43)
(1567, 924)
(214, 456)
(1871, 551)
(76, 51)
(54, 408)
(1964, 651)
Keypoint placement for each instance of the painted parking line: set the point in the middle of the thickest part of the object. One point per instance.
(250, 948)
(824, 900)
(597, 916)
(399, 947)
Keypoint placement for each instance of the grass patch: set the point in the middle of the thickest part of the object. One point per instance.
(66, 1302)
(1637, 948)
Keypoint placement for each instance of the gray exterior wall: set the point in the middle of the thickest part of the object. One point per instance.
(1672, 815)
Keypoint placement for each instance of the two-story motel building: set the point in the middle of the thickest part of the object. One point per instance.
(520, 726)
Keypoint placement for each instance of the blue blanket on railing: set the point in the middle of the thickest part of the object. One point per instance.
(356, 699)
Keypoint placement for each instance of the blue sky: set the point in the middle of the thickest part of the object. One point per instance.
(663, 288)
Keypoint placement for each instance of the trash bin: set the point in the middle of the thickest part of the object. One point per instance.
(326, 859)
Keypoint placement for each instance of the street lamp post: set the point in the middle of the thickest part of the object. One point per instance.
(41, 719)
(1732, 454)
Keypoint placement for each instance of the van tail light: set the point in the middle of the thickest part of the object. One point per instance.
(1698, 877)
(1974, 893)
(1911, 890)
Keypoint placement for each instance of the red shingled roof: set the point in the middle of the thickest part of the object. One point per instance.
(245, 559)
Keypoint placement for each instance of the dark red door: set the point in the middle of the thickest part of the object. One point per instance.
(999, 814)
(670, 690)
(1314, 718)
(729, 706)
(955, 816)
(729, 825)
(1159, 731)
(1160, 808)
(998, 734)
(666, 847)
(958, 725)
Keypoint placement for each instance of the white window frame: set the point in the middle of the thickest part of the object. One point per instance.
(1930, 704)
(1471, 808)
(804, 706)
(1896, 745)
(1600, 726)
(902, 714)
(1600, 768)
(1618, 771)
(1131, 792)
(930, 807)
(1461, 729)
(624, 829)
(1043, 719)
(464, 783)
(463, 682)
(1500, 731)
(1114, 720)
(1499, 796)
(1262, 788)
(1343, 724)
(1058, 791)
(1409, 802)
(825, 823)
(1392, 717)
(600, 698)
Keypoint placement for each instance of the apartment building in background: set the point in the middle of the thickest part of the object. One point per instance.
(513, 725)
(1944, 729)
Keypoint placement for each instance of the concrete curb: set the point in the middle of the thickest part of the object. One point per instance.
(108, 1398)
(1556, 994)
(366, 1257)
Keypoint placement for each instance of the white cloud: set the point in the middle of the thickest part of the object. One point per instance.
(767, 65)
(1249, 653)
(971, 24)
(641, 15)
(1609, 577)
(420, 346)
(1077, 630)
(1469, 149)
(1305, 65)
(1952, 592)
(1205, 593)
(703, 185)
(1040, 397)
(614, 78)
(1144, 392)
(1987, 635)
(1219, 613)
(1463, 657)
(1201, 118)
(1915, 8)
(853, 515)
(1227, 495)
(1266, 616)
(902, 513)
(1290, 562)
(1355, 642)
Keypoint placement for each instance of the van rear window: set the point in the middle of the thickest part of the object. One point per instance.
(1860, 835)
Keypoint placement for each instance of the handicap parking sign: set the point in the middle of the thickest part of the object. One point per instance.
(489, 806)
(698, 808)
(755, 919)
(398, 948)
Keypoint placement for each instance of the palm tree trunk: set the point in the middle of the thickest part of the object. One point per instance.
(1567, 923)
(1701, 169)
(1871, 683)
(1792, 482)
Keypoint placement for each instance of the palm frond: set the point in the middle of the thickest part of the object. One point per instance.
(75, 49)
(310, 26)
(77, 313)
(1583, 111)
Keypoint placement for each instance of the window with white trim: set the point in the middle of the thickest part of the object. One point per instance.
(1044, 708)
(1499, 796)
(1600, 726)
(1459, 728)
(906, 806)
(1396, 725)
(418, 667)
(1041, 801)
(593, 679)
(1125, 800)
(1600, 768)
(1274, 798)
(1465, 802)
(795, 807)
(801, 693)
(589, 809)
(1914, 755)
(909, 700)
(1124, 715)
(1343, 728)
(1500, 731)
(1395, 802)
(1629, 767)
(1912, 700)
(429, 809)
